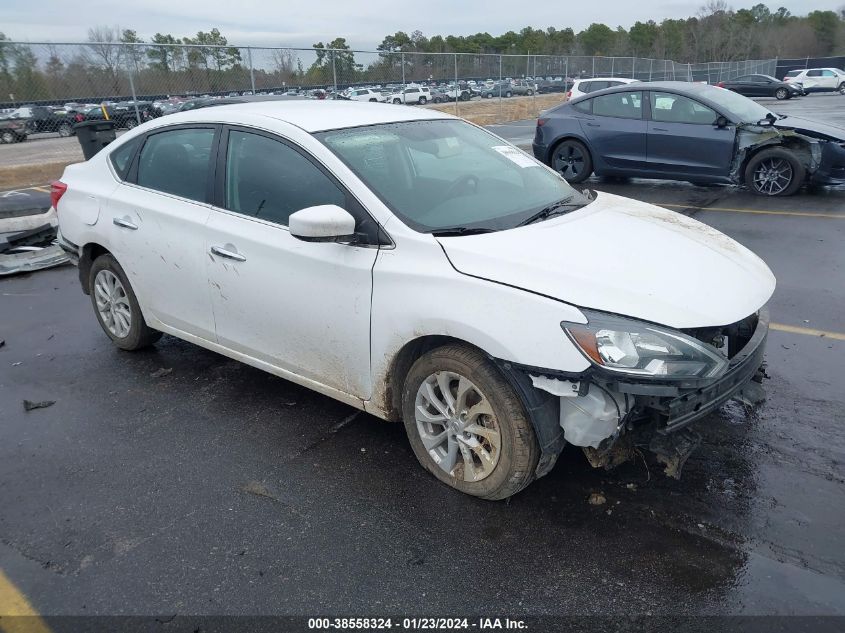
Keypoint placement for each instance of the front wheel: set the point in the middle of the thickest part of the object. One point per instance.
(131, 123)
(466, 424)
(774, 172)
(423, 100)
(571, 159)
(8, 137)
(781, 94)
(841, 88)
(117, 307)
(65, 130)
(530, 93)
(508, 94)
(397, 101)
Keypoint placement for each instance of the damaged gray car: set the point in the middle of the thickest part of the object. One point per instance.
(695, 132)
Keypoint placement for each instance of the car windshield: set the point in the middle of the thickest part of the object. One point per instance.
(448, 174)
(738, 108)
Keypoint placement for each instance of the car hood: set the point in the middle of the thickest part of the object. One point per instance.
(812, 128)
(626, 257)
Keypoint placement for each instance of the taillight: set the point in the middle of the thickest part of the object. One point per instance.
(721, 84)
(57, 190)
(541, 122)
(569, 94)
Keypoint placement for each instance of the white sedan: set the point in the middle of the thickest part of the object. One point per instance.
(415, 266)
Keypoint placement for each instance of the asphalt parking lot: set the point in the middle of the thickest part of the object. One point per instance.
(215, 488)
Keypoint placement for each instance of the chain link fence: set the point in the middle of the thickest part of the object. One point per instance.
(53, 85)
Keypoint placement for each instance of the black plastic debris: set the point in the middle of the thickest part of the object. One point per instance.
(29, 405)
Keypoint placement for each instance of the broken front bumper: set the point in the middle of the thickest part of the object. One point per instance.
(677, 406)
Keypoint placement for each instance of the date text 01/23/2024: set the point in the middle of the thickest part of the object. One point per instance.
(415, 624)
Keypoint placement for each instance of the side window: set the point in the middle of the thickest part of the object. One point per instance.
(814, 73)
(121, 157)
(585, 86)
(269, 180)
(585, 106)
(828, 73)
(598, 85)
(624, 105)
(671, 108)
(177, 162)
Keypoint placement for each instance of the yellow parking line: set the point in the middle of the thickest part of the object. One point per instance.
(756, 211)
(16, 614)
(44, 189)
(794, 329)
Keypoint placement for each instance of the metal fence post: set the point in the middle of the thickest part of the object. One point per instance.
(612, 66)
(500, 88)
(594, 66)
(251, 69)
(334, 73)
(457, 87)
(402, 57)
(650, 68)
(134, 96)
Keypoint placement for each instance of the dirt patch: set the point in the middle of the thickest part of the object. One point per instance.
(21, 176)
(487, 111)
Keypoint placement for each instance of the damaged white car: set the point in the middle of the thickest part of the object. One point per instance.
(419, 268)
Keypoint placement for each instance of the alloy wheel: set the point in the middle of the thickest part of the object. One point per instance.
(569, 161)
(7, 137)
(773, 176)
(112, 303)
(457, 426)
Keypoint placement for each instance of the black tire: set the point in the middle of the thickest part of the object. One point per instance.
(781, 94)
(530, 93)
(130, 123)
(373, 100)
(488, 95)
(8, 137)
(140, 335)
(572, 160)
(508, 94)
(64, 130)
(775, 159)
(423, 100)
(519, 453)
(841, 88)
(397, 101)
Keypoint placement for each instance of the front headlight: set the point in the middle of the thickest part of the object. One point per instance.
(638, 348)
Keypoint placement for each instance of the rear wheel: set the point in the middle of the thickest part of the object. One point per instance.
(8, 137)
(397, 101)
(372, 101)
(466, 424)
(423, 100)
(774, 172)
(65, 130)
(841, 88)
(131, 123)
(117, 307)
(781, 94)
(529, 93)
(571, 159)
(508, 94)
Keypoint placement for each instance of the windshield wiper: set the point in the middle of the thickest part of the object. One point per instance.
(460, 230)
(558, 208)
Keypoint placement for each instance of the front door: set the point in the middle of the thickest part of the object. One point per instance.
(683, 140)
(300, 306)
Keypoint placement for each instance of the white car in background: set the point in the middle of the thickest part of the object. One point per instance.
(580, 87)
(818, 79)
(411, 94)
(364, 94)
(418, 267)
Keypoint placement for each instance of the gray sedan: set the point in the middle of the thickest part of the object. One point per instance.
(684, 131)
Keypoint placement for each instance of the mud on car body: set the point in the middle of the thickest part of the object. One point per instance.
(682, 131)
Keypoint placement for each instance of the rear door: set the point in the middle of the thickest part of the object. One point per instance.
(617, 131)
(813, 81)
(157, 221)
(683, 140)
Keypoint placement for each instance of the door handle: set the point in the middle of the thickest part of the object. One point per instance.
(222, 252)
(125, 223)
(593, 125)
(659, 129)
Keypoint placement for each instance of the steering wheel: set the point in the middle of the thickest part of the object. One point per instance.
(464, 181)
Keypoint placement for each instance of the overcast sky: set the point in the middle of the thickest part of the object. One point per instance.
(363, 23)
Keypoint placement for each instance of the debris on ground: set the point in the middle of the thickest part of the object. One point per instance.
(27, 251)
(2, 342)
(631, 487)
(597, 499)
(347, 420)
(163, 371)
(258, 489)
(29, 405)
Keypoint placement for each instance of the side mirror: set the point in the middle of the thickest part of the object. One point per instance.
(721, 122)
(323, 223)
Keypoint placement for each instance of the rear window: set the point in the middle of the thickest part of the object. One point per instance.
(793, 73)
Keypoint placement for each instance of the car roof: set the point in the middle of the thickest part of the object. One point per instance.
(628, 79)
(310, 115)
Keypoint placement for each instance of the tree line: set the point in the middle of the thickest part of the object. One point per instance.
(114, 61)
